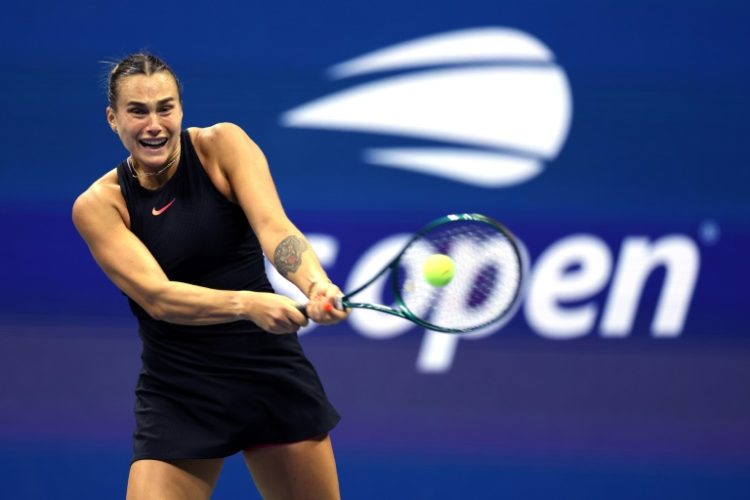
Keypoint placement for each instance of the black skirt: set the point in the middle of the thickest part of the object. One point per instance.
(205, 393)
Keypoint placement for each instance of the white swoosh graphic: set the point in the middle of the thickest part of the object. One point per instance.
(463, 46)
(521, 108)
(479, 168)
(513, 104)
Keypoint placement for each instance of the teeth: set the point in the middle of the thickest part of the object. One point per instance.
(153, 142)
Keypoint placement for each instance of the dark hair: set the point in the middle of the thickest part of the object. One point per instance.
(141, 63)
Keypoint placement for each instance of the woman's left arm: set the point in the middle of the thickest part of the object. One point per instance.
(245, 168)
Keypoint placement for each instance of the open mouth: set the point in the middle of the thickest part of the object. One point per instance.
(152, 143)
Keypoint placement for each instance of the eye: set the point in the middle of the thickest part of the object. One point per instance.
(166, 110)
(137, 111)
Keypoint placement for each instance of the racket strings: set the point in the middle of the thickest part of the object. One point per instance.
(486, 280)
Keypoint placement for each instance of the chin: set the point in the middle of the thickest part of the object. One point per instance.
(154, 159)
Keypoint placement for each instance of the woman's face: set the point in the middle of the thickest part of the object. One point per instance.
(148, 118)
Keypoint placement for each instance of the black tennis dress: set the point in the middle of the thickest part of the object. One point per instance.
(211, 391)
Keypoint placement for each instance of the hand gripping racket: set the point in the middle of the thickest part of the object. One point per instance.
(489, 266)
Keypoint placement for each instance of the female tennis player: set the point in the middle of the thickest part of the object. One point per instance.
(181, 227)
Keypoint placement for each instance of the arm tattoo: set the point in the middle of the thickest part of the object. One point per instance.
(288, 255)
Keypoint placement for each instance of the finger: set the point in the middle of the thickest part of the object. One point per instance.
(318, 312)
(281, 330)
(298, 321)
(299, 315)
(288, 326)
(303, 309)
(325, 313)
(330, 301)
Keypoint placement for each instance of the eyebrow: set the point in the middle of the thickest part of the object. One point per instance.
(162, 101)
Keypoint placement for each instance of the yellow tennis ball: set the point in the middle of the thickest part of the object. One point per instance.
(438, 269)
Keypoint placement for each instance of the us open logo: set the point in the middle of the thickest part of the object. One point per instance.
(492, 107)
(493, 96)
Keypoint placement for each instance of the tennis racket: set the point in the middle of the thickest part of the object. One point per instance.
(489, 270)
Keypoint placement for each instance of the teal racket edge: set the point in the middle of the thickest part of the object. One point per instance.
(490, 270)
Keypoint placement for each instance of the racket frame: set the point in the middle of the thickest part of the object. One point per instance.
(403, 310)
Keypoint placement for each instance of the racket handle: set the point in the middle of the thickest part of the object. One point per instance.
(303, 309)
(337, 304)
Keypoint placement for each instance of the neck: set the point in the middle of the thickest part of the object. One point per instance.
(158, 176)
(142, 173)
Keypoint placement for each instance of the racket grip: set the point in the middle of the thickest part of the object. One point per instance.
(337, 304)
(303, 309)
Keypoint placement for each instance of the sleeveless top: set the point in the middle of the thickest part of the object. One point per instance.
(196, 234)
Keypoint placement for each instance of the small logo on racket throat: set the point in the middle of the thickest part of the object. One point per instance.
(163, 209)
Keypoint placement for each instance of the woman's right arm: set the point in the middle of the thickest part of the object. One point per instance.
(135, 271)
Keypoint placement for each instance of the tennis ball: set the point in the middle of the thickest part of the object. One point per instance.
(438, 270)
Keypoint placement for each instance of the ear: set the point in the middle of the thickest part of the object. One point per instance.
(111, 119)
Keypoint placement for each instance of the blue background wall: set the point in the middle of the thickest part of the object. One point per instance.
(657, 146)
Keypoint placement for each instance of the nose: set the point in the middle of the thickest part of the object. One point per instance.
(153, 127)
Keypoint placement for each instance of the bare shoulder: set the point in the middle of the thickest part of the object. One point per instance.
(101, 193)
(99, 202)
(223, 141)
(219, 132)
